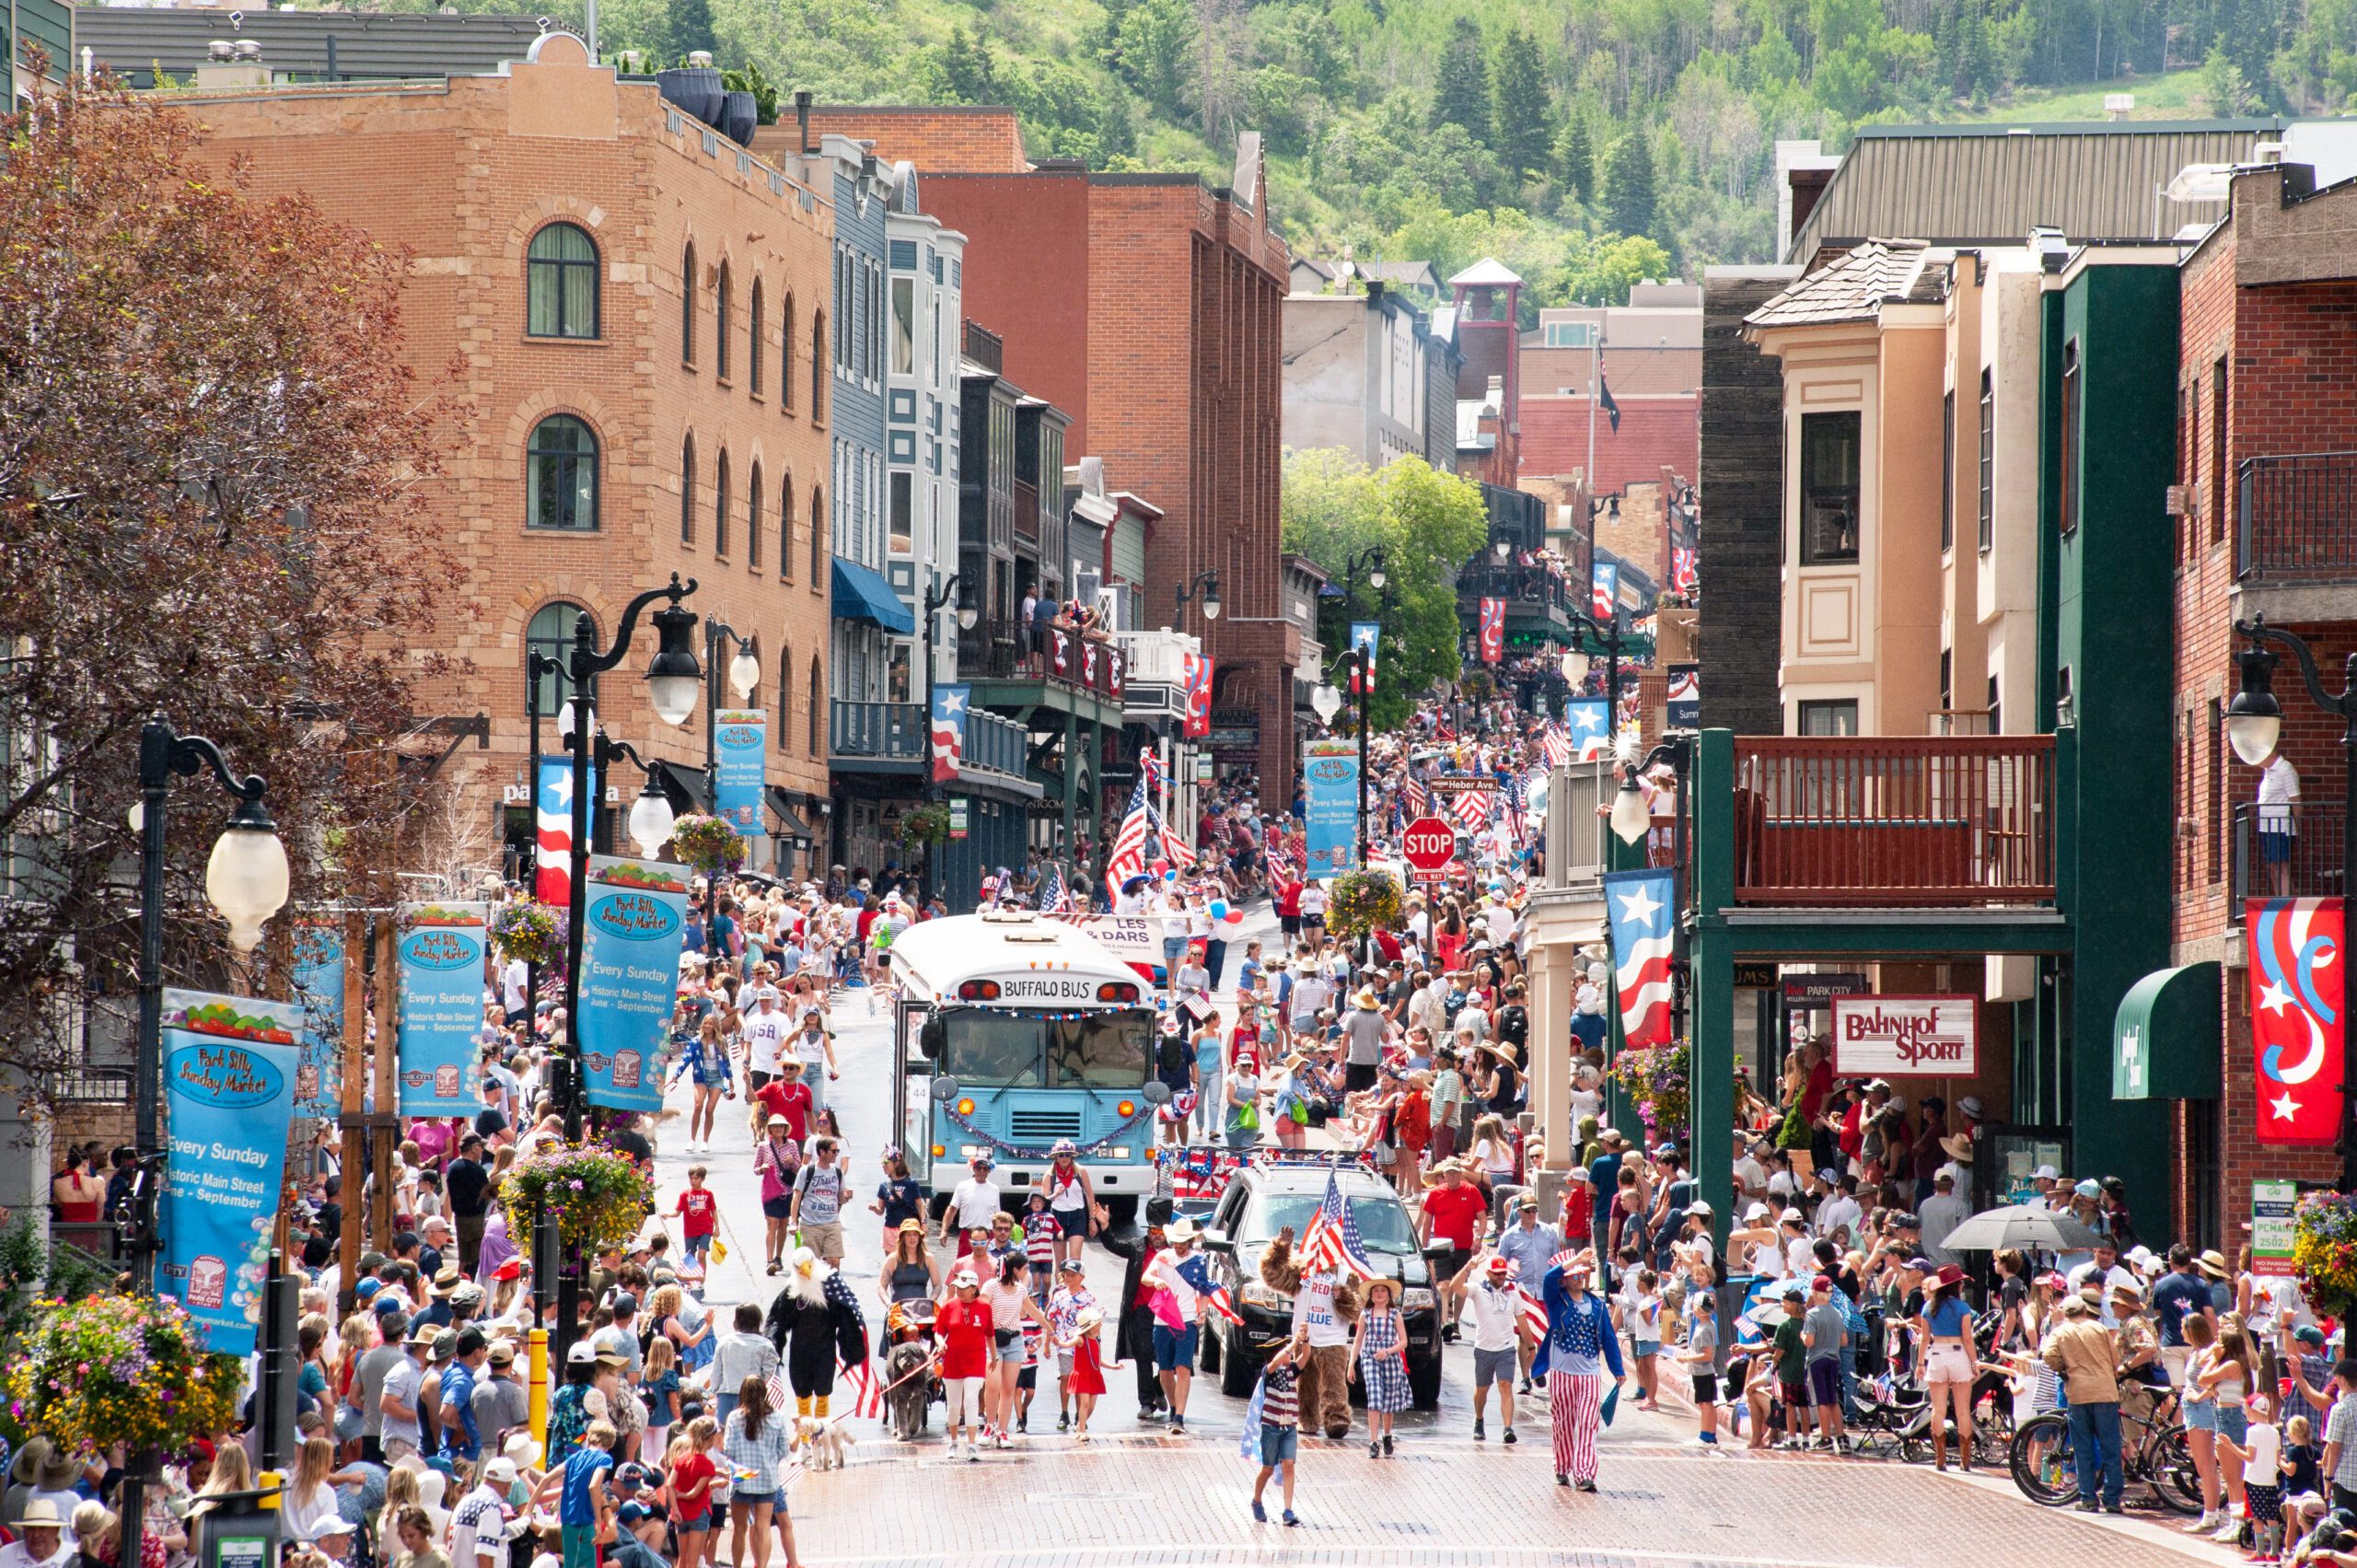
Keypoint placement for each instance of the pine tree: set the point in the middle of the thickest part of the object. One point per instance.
(1575, 158)
(1119, 134)
(1629, 184)
(966, 62)
(1461, 90)
(1521, 104)
(690, 27)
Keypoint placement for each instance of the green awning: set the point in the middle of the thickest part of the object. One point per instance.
(2165, 1039)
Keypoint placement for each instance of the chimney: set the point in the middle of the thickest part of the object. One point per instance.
(232, 66)
(802, 119)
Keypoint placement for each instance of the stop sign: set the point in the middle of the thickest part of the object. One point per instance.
(1429, 844)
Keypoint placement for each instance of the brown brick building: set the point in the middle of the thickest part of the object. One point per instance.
(630, 302)
(1147, 306)
(2267, 525)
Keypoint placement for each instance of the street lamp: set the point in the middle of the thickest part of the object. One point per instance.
(1576, 665)
(1204, 586)
(1327, 701)
(935, 598)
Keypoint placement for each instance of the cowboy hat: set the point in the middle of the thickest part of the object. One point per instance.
(39, 1463)
(2212, 1264)
(1958, 1147)
(40, 1514)
(1181, 1230)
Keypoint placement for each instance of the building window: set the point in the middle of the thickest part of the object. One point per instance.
(818, 368)
(753, 345)
(812, 694)
(904, 326)
(785, 697)
(817, 538)
(1829, 717)
(753, 517)
(785, 530)
(2071, 460)
(1947, 475)
(561, 476)
(550, 635)
(785, 355)
(1996, 709)
(1947, 679)
(688, 306)
(688, 491)
(2218, 451)
(904, 513)
(720, 505)
(898, 683)
(1988, 461)
(725, 304)
(561, 283)
(1829, 487)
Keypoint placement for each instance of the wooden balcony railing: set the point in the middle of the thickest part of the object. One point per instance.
(1937, 820)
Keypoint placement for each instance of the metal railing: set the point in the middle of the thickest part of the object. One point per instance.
(2303, 864)
(1845, 821)
(2296, 517)
(1516, 584)
(1008, 650)
(897, 732)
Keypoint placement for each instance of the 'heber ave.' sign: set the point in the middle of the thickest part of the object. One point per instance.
(1924, 1037)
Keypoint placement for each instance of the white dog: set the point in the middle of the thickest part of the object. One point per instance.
(825, 1443)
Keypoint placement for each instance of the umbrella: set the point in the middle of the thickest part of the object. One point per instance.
(2025, 1226)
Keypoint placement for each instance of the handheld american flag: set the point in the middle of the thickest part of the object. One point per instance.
(1331, 1241)
(1128, 857)
(1471, 809)
(1053, 899)
(1556, 745)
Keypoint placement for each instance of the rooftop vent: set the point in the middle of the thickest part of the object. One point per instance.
(221, 49)
(2119, 106)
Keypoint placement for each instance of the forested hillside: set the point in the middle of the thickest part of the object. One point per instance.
(1589, 142)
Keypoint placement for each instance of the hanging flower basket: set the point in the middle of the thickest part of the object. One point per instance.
(598, 1195)
(707, 843)
(2324, 1250)
(925, 825)
(532, 932)
(120, 1369)
(1660, 1083)
(1360, 902)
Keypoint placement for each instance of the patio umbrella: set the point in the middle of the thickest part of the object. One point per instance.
(2025, 1226)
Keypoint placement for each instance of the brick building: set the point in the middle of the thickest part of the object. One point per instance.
(1146, 305)
(2267, 418)
(618, 286)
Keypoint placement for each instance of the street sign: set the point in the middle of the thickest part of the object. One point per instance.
(1429, 844)
(2272, 1205)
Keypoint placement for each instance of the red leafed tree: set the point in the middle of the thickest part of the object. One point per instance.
(209, 454)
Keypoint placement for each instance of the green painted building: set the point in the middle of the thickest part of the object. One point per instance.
(46, 25)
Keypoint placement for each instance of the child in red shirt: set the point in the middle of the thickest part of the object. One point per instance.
(692, 1474)
(699, 1210)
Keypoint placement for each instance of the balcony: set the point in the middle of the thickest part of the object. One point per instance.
(2296, 518)
(1006, 650)
(2309, 867)
(1527, 591)
(1828, 821)
(897, 732)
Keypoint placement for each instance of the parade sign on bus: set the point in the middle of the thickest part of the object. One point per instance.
(1921, 1037)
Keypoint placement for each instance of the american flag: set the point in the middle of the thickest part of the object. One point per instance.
(1471, 809)
(1555, 746)
(1054, 898)
(1516, 804)
(1224, 1303)
(949, 704)
(1176, 853)
(1129, 856)
(1332, 1240)
(1415, 797)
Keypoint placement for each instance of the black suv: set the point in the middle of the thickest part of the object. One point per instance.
(1262, 1200)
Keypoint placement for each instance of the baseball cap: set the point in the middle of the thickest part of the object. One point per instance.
(500, 1473)
(624, 1302)
(631, 1512)
(2090, 1187)
(1530, 1201)
(1497, 1265)
(1794, 1290)
(1820, 1282)
(583, 1354)
(1072, 1265)
(503, 1354)
(631, 1474)
(2309, 1334)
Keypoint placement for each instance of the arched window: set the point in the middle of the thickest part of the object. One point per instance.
(814, 696)
(753, 343)
(818, 367)
(688, 306)
(785, 697)
(688, 491)
(785, 353)
(753, 517)
(561, 283)
(785, 530)
(720, 505)
(726, 302)
(549, 634)
(817, 538)
(561, 476)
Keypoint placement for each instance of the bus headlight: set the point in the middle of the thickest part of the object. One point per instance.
(1416, 1298)
(965, 1108)
(1120, 1151)
(1259, 1294)
(971, 1151)
(939, 1151)
(1127, 1108)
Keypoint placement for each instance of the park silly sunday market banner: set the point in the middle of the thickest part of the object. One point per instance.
(740, 743)
(441, 956)
(630, 973)
(229, 1066)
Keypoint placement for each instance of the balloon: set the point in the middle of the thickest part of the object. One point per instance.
(1170, 874)
(1234, 917)
(1159, 867)
(1219, 908)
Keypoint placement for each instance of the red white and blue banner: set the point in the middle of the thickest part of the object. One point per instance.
(949, 705)
(1685, 563)
(1604, 590)
(1685, 697)
(1195, 675)
(553, 812)
(740, 738)
(1641, 910)
(1591, 721)
(441, 955)
(635, 922)
(1367, 636)
(2299, 988)
(1494, 630)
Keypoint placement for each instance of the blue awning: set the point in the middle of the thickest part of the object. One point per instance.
(862, 594)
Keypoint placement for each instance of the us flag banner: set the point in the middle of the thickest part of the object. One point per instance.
(552, 826)
(949, 704)
(1494, 630)
(1591, 721)
(1640, 907)
(1604, 590)
(1332, 1238)
(2299, 989)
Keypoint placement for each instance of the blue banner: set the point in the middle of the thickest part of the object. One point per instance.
(442, 954)
(740, 738)
(318, 987)
(1329, 771)
(630, 975)
(229, 1097)
(1367, 637)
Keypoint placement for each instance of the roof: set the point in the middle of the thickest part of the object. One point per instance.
(1988, 184)
(1470, 434)
(1656, 433)
(371, 45)
(1408, 274)
(942, 953)
(1487, 273)
(1853, 289)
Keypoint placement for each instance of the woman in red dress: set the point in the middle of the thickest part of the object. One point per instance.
(76, 1194)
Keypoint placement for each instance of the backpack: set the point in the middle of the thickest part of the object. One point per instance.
(1174, 1055)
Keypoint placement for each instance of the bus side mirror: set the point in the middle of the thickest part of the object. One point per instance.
(945, 1089)
(929, 1037)
(1156, 1092)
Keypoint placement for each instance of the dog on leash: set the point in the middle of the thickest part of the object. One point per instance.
(824, 1443)
(911, 1391)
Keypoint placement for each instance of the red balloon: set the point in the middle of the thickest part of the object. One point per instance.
(1234, 917)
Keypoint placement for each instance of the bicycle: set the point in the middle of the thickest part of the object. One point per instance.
(2156, 1456)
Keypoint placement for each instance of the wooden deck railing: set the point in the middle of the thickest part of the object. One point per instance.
(1935, 821)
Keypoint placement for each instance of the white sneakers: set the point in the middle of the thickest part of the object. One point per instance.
(2203, 1526)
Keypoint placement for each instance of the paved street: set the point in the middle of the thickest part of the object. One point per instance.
(1134, 1495)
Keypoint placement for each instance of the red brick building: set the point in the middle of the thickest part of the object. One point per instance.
(2266, 525)
(629, 303)
(1147, 306)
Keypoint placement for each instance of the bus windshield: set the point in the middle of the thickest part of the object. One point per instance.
(988, 1049)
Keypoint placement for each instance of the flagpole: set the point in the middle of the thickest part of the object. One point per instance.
(1594, 370)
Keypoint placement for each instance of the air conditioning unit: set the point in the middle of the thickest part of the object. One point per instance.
(2177, 500)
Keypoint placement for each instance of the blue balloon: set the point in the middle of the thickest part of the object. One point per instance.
(1219, 908)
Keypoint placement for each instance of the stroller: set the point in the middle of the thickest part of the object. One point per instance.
(1894, 1413)
(911, 1391)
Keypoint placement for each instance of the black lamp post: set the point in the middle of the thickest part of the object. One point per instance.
(935, 598)
(247, 880)
(1203, 585)
(2254, 727)
(672, 679)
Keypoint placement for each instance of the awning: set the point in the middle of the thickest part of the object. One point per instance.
(862, 594)
(682, 785)
(2165, 1039)
(782, 802)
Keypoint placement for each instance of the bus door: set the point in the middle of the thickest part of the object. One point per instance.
(913, 1089)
